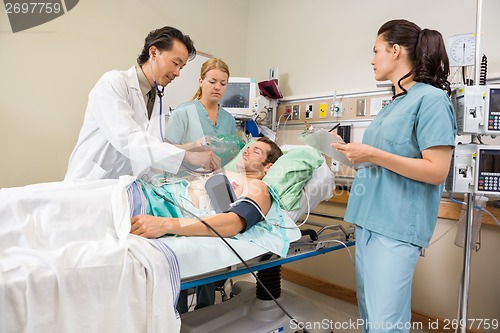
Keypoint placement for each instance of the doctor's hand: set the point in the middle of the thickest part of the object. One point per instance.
(148, 226)
(355, 152)
(205, 159)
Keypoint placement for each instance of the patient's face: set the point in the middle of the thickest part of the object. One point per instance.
(254, 157)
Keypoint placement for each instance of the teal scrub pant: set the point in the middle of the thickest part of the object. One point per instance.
(384, 273)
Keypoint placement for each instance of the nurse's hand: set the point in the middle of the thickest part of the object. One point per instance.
(355, 152)
(205, 159)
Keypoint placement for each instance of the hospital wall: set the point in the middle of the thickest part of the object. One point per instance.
(324, 46)
(319, 47)
(48, 71)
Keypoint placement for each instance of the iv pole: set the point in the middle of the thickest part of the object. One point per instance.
(464, 292)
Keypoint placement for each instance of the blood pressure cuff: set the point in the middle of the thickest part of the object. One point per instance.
(247, 212)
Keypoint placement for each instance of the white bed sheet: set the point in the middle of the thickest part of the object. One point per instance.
(199, 255)
(60, 271)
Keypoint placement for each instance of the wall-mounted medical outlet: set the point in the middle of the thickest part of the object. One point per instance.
(336, 109)
(345, 132)
(288, 112)
(360, 107)
(295, 112)
(309, 111)
(322, 110)
(335, 166)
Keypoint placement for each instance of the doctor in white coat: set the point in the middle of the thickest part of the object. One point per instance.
(119, 136)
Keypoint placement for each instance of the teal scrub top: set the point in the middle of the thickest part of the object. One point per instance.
(388, 203)
(189, 122)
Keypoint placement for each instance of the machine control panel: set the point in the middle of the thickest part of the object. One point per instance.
(488, 170)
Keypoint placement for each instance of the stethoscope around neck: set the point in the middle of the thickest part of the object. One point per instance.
(160, 95)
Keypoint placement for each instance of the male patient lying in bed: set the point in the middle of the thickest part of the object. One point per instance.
(165, 218)
(247, 182)
(90, 217)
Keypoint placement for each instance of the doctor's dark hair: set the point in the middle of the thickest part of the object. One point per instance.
(274, 150)
(163, 39)
(426, 51)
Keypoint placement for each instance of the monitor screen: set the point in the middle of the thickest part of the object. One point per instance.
(240, 96)
(488, 170)
(495, 101)
(489, 161)
(237, 95)
(493, 111)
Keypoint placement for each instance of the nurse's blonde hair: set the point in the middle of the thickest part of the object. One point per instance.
(212, 63)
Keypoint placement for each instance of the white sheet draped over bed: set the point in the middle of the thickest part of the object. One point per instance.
(67, 268)
(69, 264)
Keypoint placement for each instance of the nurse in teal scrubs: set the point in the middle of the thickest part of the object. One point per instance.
(200, 118)
(394, 203)
(203, 116)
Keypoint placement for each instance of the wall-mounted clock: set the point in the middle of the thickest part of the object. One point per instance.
(462, 49)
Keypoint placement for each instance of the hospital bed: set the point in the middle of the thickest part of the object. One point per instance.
(252, 309)
(69, 273)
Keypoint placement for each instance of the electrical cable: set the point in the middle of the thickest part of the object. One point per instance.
(491, 215)
(446, 232)
(343, 244)
(308, 209)
(454, 225)
(278, 127)
(453, 77)
(308, 212)
(478, 207)
(484, 71)
(235, 252)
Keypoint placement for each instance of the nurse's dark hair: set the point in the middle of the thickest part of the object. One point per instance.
(426, 50)
(274, 152)
(163, 39)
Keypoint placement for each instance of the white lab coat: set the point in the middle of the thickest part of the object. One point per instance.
(116, 137)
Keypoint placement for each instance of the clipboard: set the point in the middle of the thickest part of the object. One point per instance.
(320, 139)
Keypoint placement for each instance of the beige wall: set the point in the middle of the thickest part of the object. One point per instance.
(48, 71)
(323, 46)
(319, 46)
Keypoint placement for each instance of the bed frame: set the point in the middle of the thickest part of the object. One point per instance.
(251, 309)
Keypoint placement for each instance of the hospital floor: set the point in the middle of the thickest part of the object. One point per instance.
(342, 313)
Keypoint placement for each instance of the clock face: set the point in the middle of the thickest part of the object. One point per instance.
(461, 50)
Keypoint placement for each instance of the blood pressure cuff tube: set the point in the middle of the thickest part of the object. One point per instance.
(247, 212)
